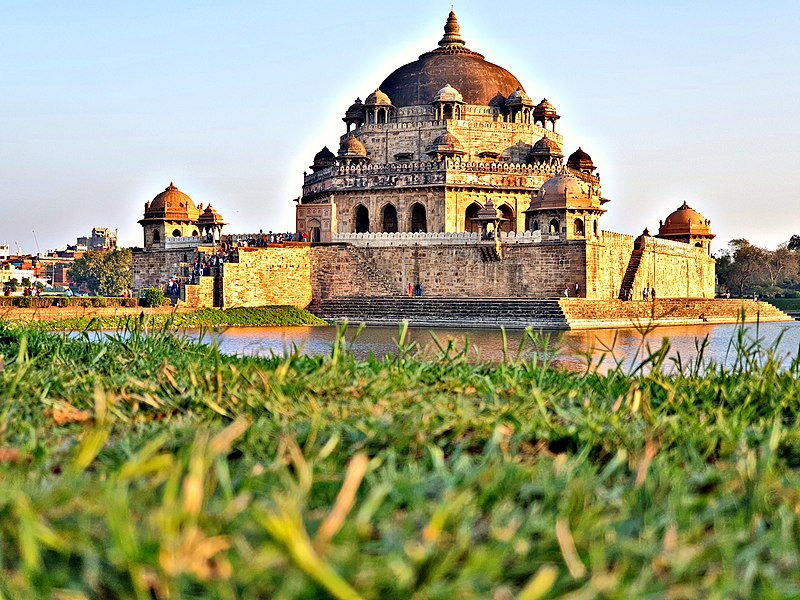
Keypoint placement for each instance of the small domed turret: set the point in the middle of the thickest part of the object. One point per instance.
(323, 159)
(688, 226)
(446, 145)
(377, 98)
(354, 116)
(448, 94)
(545, 151)
(545, 113)
(580, 161)
(352, 151)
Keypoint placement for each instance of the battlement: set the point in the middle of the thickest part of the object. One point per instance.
(456, 124)
(379, 239)
(491, 175)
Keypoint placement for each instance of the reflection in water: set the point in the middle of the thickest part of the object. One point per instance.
(572, 349)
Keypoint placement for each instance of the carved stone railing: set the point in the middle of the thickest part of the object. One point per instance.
(381, 239)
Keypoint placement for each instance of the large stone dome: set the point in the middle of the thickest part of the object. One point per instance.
(172, 205)
(479, 81)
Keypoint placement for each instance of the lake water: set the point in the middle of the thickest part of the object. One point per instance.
(572, 349)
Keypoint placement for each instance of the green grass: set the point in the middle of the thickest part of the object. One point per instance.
(264, 316)
(148, 466)
(786, 304)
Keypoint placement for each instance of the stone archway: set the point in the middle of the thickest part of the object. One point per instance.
(314, 231)
(389, 219)
(361, 220)
(555, 227)
(507, 213)
(469, 214)
(419, 218)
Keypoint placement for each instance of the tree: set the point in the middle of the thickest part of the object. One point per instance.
(781, 265)
(12, 284)
(748, 264)
(26, 282)
(794, 243)
(103, 273)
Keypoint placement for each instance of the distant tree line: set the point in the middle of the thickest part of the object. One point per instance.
(744, 269)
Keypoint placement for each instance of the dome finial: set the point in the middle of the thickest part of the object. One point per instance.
(452, 32)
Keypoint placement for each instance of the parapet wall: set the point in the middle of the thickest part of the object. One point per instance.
(587, 314)
(268, 276)
(449, 270)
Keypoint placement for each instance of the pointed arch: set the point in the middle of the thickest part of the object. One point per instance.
(360, 219)
(419, 218)
(389, 218)
(508, 213)
(555, 227)
(469, 214)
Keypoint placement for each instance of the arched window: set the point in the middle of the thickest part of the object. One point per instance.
(531, 224)
(419, 218)
(596, 229)
(194, 233)
(510, 224)
(578, 224)
(469, 214)
(176, 233)
(362, 219)
(389, 218)
(698, 245)
(555, 226)
(156, 236)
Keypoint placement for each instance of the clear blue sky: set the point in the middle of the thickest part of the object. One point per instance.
(104, 103)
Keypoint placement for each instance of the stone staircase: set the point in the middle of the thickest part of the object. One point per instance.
(366, 266)
(630, 273)
(488, 313)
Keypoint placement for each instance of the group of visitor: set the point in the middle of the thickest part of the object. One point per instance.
(414, 289)
(576, 290)
(647, 294)
(204, 265)
(28, 291)
(262, 240)
(174, 285)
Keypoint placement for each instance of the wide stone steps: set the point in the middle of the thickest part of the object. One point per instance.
(450, 312)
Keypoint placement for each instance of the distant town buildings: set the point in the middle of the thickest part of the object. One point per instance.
(51, 268)
(102, 239)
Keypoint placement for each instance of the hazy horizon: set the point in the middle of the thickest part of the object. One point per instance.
(104, 105)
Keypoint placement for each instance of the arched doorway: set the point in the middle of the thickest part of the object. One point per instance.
(362, 219)
(555, 227)
(313, 231)
(578, 224)
(389, 219)
(507, 213)
(419, 218)
(156, 236)
(176, 233)
(471, 212)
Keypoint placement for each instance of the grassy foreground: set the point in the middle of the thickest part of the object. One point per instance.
(264, 316)
(153, 467)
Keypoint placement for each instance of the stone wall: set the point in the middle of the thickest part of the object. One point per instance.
(449, 270)
(153, 268)
(675, 270)
(510, 140)
(268, 276)
(451, 265)
(199, 295)
(581, 313)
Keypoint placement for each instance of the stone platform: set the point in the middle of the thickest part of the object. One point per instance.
(542, 313)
